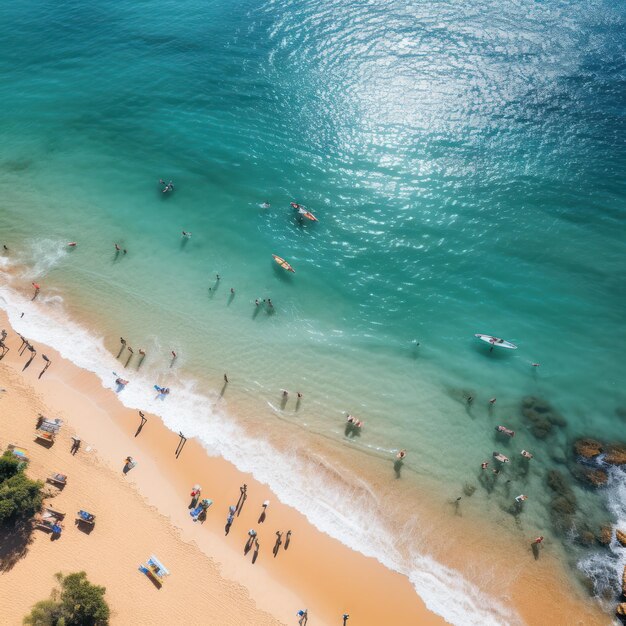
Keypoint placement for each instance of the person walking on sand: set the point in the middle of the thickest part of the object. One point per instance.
(303, 614)
(345, 617)
(279, 537)
(75, 445)
(242, 498)
(287, 539)
(37, 288)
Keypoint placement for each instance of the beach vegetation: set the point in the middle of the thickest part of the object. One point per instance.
(20, 497)
(77, 603)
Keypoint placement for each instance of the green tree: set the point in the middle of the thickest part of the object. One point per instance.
(9, 466)
(83, 603)
(19, 496)
(44, 613)
(79, 603)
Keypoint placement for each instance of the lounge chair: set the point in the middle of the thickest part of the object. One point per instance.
(50, 512)
(48, 429)
(154, 570)
(57, 479)
(48, 524)
(84, 516)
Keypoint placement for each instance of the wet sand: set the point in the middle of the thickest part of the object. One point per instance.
(316, 571)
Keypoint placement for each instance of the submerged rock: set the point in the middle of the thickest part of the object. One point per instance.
(615, 454)
(556, 481)
(605, 535)
(586, 538)
(590, 476)
(587, 448)
(620, 535)
(563, 504)
(542, 416)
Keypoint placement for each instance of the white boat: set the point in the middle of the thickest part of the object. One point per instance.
(496, 341)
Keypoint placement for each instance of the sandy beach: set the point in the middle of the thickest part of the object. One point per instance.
(146, 512)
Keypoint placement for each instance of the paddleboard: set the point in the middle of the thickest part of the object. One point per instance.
(496, 341)
(308, 215)
(302, 210)
(283, 263)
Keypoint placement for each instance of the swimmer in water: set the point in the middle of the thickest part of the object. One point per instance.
(186, 234)
(265, 205)
(166, 186)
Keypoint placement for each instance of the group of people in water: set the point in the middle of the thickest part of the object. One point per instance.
(501, 459)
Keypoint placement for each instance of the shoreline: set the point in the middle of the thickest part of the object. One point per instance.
(86, 387)
(316, 572)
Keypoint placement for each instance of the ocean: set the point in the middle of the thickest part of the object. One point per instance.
(466, 167)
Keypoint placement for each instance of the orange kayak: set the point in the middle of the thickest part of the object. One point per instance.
(283, 263)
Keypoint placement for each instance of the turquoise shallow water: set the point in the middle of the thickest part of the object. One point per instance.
(465, 163)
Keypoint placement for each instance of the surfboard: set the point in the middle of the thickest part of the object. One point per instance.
(496, 341)
(308, 215)
(283, 263)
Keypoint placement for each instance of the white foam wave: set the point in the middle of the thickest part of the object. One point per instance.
(39, 256)
(605, 572)
(347, 511)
